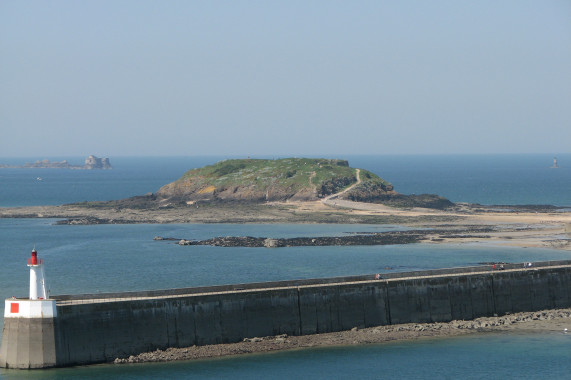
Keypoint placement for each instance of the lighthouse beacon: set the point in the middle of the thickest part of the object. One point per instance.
(37, 277)
(28, 339)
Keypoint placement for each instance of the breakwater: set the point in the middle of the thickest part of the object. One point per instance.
(93, 328)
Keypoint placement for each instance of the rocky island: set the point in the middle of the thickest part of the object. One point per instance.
(91, 162)
(291, 179)
(255, 182)
(303, 190)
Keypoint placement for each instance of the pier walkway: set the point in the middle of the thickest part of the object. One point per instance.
(64, 300)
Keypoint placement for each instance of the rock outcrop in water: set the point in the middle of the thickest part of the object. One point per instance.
(361, 238)
(91, 162)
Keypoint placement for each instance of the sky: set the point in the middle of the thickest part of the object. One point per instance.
(287, 78)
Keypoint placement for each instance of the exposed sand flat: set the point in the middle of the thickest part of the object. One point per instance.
(543, 228)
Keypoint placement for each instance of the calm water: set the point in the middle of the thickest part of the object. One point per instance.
(125, 257)
(492, 356)
(492, 179)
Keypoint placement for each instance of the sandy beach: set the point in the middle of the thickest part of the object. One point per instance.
(511, 225)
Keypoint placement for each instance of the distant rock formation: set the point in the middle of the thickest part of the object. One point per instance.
(91, 162)
(47, 164)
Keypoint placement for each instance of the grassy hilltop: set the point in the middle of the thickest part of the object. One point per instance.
(268, 180)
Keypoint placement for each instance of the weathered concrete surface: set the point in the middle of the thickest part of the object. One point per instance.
(547, 320)
(120, 329)
(28, 343)
(98, 332)
(90, 330)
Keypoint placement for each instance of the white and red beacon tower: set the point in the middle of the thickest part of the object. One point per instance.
(37, 277)
(28, 333)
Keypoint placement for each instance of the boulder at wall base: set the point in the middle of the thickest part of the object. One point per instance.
(271, 243)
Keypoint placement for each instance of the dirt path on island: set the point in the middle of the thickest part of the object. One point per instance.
(328, 199)
(313, 186)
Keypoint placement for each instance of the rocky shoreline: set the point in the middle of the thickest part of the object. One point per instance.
(547, 320)
(308, 212)
(526, 226)
(362, 238)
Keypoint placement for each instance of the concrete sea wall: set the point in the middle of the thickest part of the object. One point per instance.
(100, 328)
(28, 343)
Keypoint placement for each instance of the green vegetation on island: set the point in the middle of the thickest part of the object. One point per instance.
(268, 180)
(258, 181)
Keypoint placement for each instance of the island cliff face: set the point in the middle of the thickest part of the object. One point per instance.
(93, 162)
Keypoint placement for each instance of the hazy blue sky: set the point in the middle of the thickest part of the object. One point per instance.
(284, 78)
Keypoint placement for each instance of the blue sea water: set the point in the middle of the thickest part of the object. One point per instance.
(484, 179)
(490, 356)
(104, 258)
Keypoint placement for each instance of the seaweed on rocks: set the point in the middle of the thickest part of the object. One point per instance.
(369, 238)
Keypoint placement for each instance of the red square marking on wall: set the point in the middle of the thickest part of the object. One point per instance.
(14, 307)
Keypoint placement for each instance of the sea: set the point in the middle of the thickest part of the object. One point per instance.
(103, 258)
